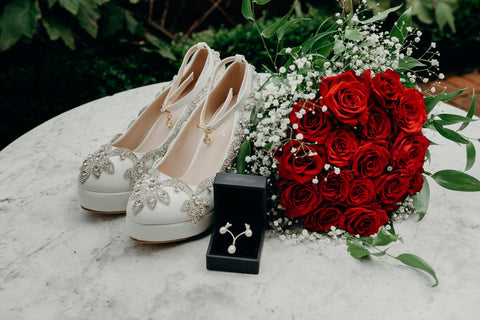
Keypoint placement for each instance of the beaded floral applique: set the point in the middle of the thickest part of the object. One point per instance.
(150, 190)
(99, 161)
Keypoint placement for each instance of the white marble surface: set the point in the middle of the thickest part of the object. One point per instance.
(59, 262)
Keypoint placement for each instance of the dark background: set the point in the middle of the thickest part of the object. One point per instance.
(40, 79)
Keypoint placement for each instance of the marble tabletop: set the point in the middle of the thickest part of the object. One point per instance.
(60, 262)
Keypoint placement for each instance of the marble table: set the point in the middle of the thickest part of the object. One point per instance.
(60, 262)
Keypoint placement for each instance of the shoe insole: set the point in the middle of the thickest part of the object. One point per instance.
(159, 131)
(210, 157)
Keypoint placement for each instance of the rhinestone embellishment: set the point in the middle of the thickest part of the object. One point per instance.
(207, 130)
(99, 161)
(168, 114)
(150, 190)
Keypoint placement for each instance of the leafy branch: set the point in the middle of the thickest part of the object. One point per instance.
(359, 248)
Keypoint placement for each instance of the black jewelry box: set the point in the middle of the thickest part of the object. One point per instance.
(239, 199)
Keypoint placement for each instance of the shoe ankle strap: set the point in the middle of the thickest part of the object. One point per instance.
(178, 85)
(221, 114)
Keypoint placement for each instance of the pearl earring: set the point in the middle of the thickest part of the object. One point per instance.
(248, 233)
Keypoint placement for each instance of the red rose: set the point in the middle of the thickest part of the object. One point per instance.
(347, 97)
(311, 121)
(299, 199)
(416, 183)
(409, 151)
(300, 161)
(378, 126)
(386, 88)
(341, 145)
(322, 218)
(392, 187)
(362, 191)
(335, 187)
(410, 112)
(371, 159)
(364, 221)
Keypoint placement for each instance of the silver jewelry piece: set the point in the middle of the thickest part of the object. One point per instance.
(248, 233)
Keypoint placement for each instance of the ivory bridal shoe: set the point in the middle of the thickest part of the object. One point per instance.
(107, 176)
(175, 200)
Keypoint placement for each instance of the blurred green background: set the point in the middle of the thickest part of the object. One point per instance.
(58, 54)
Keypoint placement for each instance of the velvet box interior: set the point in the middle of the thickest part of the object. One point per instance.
(239, 199)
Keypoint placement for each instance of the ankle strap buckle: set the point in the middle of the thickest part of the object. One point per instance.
(168, 114)
(207, 130)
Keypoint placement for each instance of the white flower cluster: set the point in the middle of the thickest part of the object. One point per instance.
(279, 94)
(292, 229)
(404, 210)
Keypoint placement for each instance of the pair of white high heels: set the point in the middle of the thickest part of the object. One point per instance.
(161, 171)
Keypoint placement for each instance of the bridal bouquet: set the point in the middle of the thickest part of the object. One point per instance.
(338, 131)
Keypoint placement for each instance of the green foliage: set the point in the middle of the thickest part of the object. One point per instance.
(359, 248)
(456, 180)
(426, 11)
(422, 199)
(19, 19)
(245, 150)
(72, 21)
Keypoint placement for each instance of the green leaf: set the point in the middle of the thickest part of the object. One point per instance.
(417, 262)
(428, 157)
(423, 10)
(357, 249)
(324, 50)
(399, 29)
(163, 48)
(312, 41)
(51, 3)
(253, 113)
(432, 101)
(272, 29)
(338, 47)
(444, 15)
(247, 10)
(261, 2)
(113, 19)
(132, 24)
(284, 28)
(456, 180)
(57, 30)
(422, 199)
(71, 6)
(470, 112)
(448, 118)
(408, 63)
(383, 238)
(448, 133)
(379, 254)
(245, 150)
(87, 17)
(353, 35)
(269, 145)
(19, 18)
(470, 156)
(381, 15)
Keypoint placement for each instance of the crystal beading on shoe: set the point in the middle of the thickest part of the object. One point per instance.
(134, 157)
(100, 161)
(151, 189)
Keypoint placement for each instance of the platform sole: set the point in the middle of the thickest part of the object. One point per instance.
(166, 233)
(102, 202)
